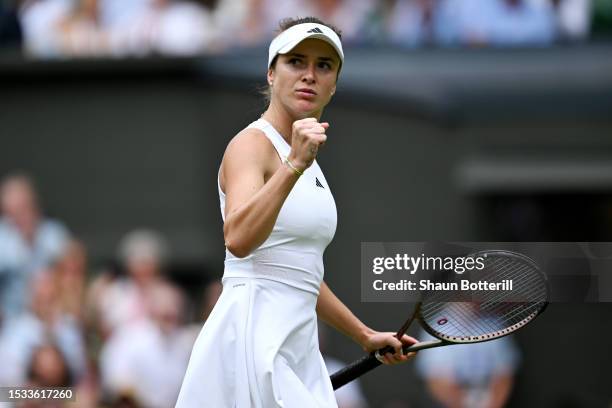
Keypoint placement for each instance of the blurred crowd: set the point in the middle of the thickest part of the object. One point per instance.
(89, 28)
(118, 336)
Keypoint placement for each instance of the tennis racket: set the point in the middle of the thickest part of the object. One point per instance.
(485, 315)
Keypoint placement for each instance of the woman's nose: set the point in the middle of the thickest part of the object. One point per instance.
(309, 74)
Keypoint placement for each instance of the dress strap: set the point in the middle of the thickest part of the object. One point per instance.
(280, 144)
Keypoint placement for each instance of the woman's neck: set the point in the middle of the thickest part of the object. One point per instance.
(282, 120)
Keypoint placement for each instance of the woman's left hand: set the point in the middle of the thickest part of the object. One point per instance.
(377, 340)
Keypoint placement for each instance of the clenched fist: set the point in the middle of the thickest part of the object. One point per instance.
(308, 135)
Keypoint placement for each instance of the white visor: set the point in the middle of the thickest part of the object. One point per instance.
(288, 39)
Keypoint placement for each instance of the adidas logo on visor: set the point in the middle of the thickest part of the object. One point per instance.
(315, 30)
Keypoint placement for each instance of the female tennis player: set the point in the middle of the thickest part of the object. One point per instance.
(259, 346)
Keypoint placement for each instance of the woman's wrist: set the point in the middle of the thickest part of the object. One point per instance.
(297, 163)
(363, 336)
(293, 167)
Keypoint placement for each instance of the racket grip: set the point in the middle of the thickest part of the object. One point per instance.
(354, 370)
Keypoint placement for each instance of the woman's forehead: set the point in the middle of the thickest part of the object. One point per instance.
(312, 47)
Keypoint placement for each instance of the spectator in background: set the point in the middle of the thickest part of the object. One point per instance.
(11, 373)
(44, 323)
(48, 368)
(40, 20)
(354, 16)
(470, 375)
(137, 27)
(495, 22)
(71, 274)
(117, 13)
(148, 359)
(171, 27)
(412, 23)
(29, 242)
(105, 27)
(572, 19)
(55, 28)
(120, 301)
(80, 33)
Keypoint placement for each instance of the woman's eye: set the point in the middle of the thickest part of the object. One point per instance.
(325, 65)
(294, 61)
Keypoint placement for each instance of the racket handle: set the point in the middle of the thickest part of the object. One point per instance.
(355, 370)
(422, 345)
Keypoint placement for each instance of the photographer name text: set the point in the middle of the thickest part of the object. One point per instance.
(428, 285)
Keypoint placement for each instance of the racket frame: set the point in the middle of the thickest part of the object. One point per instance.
(374, 359)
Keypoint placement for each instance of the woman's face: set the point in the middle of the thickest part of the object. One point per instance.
(304, 80)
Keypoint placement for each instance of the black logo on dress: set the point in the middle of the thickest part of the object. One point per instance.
(315, 30)
(318, 183)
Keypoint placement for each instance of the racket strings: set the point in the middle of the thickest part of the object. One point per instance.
(530, 288)
(441, 300)
(530, 291)
(504, 273)
(444, 297)
(493, 313)
(470, 319)
(463, 323)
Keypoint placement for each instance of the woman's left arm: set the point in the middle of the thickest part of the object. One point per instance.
(333, 312)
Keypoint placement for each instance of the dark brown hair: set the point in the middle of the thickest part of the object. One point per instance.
(285, 24)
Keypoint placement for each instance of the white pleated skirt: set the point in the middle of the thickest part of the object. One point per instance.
(259, 348)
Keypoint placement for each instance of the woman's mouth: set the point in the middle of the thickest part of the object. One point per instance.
(306, 93)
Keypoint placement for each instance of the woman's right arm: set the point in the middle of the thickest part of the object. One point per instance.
(251, 203)
(252, 206)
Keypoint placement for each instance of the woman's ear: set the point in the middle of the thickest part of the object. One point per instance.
(333, 91)
(270, 76)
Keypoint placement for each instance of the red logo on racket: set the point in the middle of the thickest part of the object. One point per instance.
(442, 321)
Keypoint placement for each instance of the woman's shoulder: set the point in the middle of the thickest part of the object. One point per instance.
(251, 142)
(249, 135)
(249, 149)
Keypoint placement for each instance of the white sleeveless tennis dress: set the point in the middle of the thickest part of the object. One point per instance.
(259, 348)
